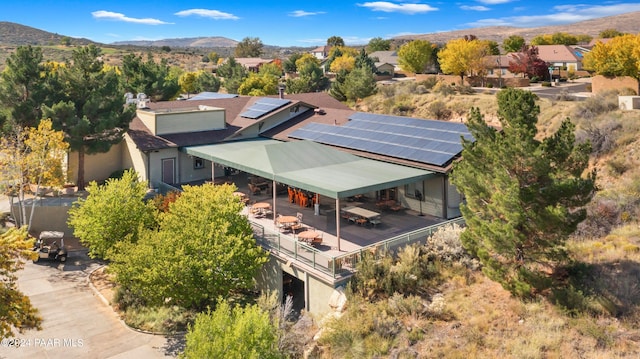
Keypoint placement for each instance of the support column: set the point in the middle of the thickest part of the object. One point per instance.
(273, 187)
(445, 197)
(213, 172)
(338, 222)
(306, 291)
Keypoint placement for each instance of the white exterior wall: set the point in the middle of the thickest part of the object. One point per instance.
(164, 122)
(183, 122)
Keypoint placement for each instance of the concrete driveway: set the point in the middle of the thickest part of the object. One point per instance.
(76, 323)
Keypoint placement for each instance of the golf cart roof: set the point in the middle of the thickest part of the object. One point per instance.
(51, 235)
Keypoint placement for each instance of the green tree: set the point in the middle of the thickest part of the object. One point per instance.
(16, 310)
(92, 114)
(461, 57)
(378, 44)
(206, 81)
(289, 65)
(524, 195)
(204, 248)
(273, 69)
(234, 333)
(359, 84)
(22, 88)
(233, 75)
(248, 47)
(609, 33)
(310, 79)
(112, 212)
(148, 77)
(364, 61)
(335, 41)
(65, 41)
(415, 56)
(492, 47)
(513, 43)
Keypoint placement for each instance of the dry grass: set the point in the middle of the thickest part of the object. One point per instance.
(481, 319)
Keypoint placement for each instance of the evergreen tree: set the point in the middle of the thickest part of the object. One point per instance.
(22, 88)
(92, 113)
(148, 77)
(233, 74)
(524, 196)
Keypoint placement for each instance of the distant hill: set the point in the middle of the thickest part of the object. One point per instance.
(627, 23)
(16, 34)
(213, 41)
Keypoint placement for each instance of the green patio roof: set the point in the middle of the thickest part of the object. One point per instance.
(310, 166)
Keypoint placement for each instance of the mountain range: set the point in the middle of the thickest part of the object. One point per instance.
(16, 34)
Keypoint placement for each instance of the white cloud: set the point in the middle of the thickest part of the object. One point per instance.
(302, 13)
(213, 14)
(564, 14)
(386, 6)
(494, 2)
(109, 15)
(474, 8)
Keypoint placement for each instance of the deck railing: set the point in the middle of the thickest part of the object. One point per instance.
(344, 265)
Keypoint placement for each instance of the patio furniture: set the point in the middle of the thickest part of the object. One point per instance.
(310, 237)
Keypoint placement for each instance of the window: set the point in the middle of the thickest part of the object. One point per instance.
(198, 163)
(414, 190)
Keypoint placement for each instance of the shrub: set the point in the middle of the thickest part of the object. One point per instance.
(490, 85)
(545, 84)
(439, 110)
(465, 90)
(593, 106)
(429, 82)
(387, 91)
(444, 89)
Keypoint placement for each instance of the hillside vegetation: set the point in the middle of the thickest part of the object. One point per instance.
(449, 309)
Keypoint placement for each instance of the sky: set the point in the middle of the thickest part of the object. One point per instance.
(293, 23)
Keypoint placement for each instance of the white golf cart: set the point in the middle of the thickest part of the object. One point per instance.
(50, 245)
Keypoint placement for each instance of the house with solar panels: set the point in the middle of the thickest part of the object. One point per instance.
(373, 182)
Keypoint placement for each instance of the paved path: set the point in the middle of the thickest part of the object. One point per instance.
(76, 323)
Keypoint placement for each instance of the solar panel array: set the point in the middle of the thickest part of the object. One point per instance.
(211, 96)
(263, 106)
(427, 141)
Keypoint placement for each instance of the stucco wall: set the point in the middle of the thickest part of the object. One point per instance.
(133, 158)
(601, 83)
(52, 217)
(507, 80)
(317, 293)
(97, 167)
(194, 121)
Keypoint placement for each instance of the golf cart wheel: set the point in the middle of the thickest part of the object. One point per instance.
(63, 258)
(37, 259)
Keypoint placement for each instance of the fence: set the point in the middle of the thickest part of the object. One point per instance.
(343, 265)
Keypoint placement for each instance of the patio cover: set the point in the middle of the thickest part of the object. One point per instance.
(310, 166)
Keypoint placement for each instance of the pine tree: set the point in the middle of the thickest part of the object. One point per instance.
(524, 196)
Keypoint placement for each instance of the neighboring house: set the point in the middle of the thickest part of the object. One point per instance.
(561, 56)
(386, 57)
(321, 52)
(252, 64)
(498, 65)
(385, 68)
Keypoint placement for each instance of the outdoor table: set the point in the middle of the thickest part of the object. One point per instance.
(308, 236)
(288, 221)
(364, 213)
(261, 205)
